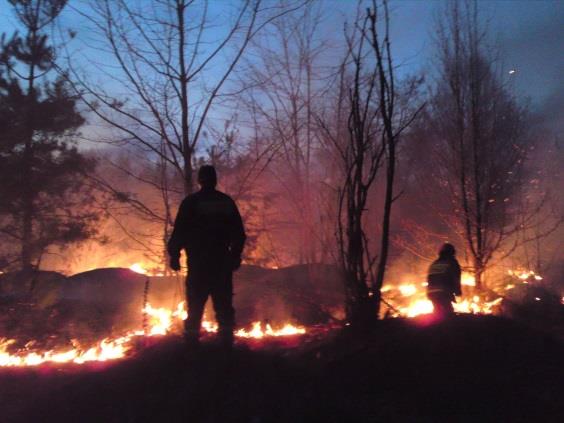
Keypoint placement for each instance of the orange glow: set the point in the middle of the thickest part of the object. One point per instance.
(160, 322)
(524, 274)
(258, 332)
(105, 350)
(417, 308)
(410, 300)
(138, 268)
(407, 290)
(467, 279)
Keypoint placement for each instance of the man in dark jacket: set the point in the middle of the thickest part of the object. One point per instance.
(444, 281)
(209, 228)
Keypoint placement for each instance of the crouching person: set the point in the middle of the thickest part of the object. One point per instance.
(444, 281)
(209, 228)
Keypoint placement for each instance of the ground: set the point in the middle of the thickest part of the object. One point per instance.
(468, 369)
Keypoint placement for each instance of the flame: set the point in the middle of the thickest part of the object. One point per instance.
(417, 308)
(524, 274)
(257, 331)
(467, 279)
(160, 321)
(407, 289)
(410, 300)
(138, 268)
(106, 350)
(419, 304)
(142, 270)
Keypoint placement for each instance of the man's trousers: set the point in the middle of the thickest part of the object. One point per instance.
(202, 282)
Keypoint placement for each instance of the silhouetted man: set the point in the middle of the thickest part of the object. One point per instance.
(444, 281)
(209, 228)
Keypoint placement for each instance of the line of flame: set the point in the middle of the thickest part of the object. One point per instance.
(161, 321)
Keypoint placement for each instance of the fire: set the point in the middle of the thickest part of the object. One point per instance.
(410, 299)
(142, 270)
(257, 331)
(473, 305)
(467, 279)
(138, 268)
(160, 321)
(476, 305)
(407, 289)
(525, 275)
(416, 308)
(106, 350)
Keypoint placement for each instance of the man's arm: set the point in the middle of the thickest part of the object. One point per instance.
(457, 287)
(237, 236)
(177, 240)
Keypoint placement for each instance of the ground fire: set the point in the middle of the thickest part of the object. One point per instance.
(405, 300)
(409, 299)
(160, 322)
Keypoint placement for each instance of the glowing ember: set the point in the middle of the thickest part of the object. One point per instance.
(474, 305)
(142, 270)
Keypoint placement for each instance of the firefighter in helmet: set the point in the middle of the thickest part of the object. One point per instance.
(444, 281)
(209, 228)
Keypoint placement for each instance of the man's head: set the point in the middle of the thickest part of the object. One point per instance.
(447, 250)
(207, 177)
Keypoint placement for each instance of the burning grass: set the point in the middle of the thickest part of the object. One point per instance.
(160, 321)
(410, 299)
(407, 300)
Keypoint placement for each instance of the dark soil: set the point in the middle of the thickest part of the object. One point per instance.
(467, 369)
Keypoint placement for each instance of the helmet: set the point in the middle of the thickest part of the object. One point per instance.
(447, 250)
(207, 177)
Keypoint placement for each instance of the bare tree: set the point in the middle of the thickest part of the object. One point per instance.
(482, 141)
(170, 64)
(375, 113)
(352, 131)
(396, 114)
(285, 83)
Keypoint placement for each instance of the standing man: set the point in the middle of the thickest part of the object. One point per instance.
(209, 228)
(444, 281)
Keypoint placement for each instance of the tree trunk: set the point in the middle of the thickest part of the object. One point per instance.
(385, 240)
(187, 150)
(478, 274)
